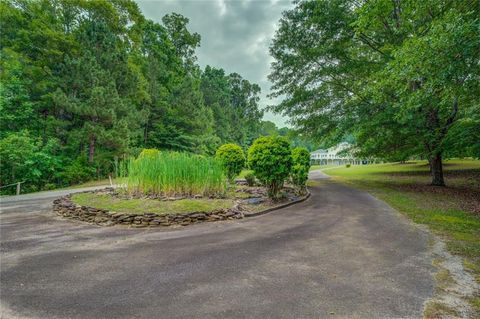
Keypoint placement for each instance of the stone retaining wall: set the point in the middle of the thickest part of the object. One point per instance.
(66, 208)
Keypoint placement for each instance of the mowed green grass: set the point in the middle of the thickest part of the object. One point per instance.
(141, 206)
(453, 212)
(317, 167)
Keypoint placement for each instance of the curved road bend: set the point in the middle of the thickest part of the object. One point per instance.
(340, 254)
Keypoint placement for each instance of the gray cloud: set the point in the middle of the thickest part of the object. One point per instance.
(235, 35)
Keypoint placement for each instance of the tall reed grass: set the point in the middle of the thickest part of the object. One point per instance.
(174, 174)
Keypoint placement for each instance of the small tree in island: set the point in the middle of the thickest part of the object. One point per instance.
(270, 159)
(232, 158)
(300, 168)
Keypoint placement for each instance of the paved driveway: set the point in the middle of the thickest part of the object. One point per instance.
(340, 254)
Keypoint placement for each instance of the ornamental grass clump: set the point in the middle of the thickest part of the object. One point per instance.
(176, 174)
(149, 152)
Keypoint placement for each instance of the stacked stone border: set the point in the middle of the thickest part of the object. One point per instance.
(65, 207)
(271, 209)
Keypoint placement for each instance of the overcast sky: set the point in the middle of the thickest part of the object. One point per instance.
(235, 35)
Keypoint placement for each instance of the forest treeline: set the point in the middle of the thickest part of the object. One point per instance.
(85, 82)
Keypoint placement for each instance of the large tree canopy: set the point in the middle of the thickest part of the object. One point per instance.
(401, 76)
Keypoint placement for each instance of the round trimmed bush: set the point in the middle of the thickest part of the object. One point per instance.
(300, 168)
(232, 158)
(270, 159)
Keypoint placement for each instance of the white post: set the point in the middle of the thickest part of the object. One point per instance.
(18, 188)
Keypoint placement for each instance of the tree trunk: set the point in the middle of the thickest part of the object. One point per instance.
(91, 150)
(273, 189)
(436, 170)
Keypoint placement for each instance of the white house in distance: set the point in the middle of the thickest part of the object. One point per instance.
(335, 156)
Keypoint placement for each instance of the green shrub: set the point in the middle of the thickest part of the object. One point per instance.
(300, 168)
(270, 159)
(49, 186)
(232, 158)
(28, 159)
(348, 165)
(250, 178)
(176, 174)
(77, 172)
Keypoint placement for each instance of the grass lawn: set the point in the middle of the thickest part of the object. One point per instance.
(150, 205)
(453, 212)
(317, 167)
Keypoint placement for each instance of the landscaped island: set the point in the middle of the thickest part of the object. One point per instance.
(169, 188)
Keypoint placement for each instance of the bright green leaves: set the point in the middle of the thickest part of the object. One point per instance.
(16, 108)
(232, 158)
(300, 168)
(270, 159)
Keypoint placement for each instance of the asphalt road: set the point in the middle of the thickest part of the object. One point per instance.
(340, 254)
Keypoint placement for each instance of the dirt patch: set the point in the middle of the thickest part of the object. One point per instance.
(454, 286)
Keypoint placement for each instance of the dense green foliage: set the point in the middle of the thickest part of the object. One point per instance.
(234, 103)
(270, 159)
(25, 158)
(232, 158)
(300, 168)
(402, 77)
(176, 174)
(85, 82)
(296, 138)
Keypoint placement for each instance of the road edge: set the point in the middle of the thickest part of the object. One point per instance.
(271, 209)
